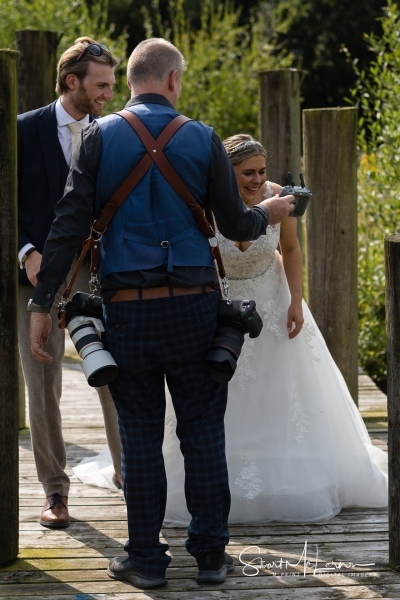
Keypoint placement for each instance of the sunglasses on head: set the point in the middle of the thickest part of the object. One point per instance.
(93, 49)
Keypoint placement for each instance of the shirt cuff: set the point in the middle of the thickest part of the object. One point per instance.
(37, 309)
(44, 294)
(22, 253)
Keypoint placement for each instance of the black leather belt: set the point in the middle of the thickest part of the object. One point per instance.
(159, 292)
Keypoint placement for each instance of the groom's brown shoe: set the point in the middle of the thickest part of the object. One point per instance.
(55, 511)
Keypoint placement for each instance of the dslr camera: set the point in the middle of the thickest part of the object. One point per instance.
(235, 319)
(83, 318)
(301, 196)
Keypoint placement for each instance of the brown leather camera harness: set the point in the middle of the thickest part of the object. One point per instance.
(154, 154)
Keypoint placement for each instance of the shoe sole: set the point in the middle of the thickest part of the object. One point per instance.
(214, 576)
(136, 580)
(54, 525)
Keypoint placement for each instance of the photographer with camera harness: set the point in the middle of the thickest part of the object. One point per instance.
(85, 79)
(158, 284)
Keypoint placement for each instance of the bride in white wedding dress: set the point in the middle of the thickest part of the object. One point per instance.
(296, 445)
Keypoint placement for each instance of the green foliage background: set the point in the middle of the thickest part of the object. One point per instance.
(220, 86)
(377, 95)
(318, 33)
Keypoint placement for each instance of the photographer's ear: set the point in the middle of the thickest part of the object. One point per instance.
(174, 85)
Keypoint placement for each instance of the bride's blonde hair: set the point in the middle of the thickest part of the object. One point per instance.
(242, 146)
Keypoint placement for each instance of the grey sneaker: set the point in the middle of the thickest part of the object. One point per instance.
(122, 569)
(214, 567)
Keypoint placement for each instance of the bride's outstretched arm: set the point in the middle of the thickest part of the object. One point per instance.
(293, 265)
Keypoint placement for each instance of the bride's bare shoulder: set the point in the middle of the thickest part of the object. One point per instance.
(275, 187)
(269, 189)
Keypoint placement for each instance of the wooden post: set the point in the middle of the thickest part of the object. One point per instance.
(9, 375)
(392, 261)
(279, 125)
(330, 164)
(36, 83)
(37, 68)
(21, 397)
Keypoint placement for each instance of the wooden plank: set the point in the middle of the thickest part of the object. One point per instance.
(49, 565)
(375, 556)
(236, 531)
(362, 551)
(117, 501)
(71, 564)
(349, 520)
(119, 534)
(256, 595)
(356, 553)
(355, 588)
(237, 580)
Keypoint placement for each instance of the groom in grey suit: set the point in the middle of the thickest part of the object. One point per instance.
(85, 78)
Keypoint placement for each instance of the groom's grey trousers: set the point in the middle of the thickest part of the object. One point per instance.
(44, 383)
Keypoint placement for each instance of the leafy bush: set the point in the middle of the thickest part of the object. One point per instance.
(220, 86)
(377, 94)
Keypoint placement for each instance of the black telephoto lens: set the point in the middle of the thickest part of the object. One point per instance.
(225, 350)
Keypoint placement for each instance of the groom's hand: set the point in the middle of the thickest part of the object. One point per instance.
(40, 326)
(278, 208)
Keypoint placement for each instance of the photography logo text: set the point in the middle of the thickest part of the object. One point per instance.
(253, 561)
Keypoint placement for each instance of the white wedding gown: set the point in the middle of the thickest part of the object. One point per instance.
(296, 445)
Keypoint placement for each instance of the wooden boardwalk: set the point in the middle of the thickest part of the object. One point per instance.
(71, 564)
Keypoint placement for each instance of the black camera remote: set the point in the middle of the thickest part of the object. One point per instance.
(301, 196)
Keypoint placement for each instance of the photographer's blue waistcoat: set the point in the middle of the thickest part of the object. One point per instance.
(153, 226)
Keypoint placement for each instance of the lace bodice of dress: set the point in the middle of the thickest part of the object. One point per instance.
(257, 258)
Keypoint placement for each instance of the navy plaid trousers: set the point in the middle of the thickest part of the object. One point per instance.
(151, 340)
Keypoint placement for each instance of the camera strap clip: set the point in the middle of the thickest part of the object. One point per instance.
(225, 289)
(61, 314)
(94, 284)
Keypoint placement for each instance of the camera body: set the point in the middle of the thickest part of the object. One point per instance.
(235, 319)
(84, 304)
(83, 318)
(301, 196)
(242, 313)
